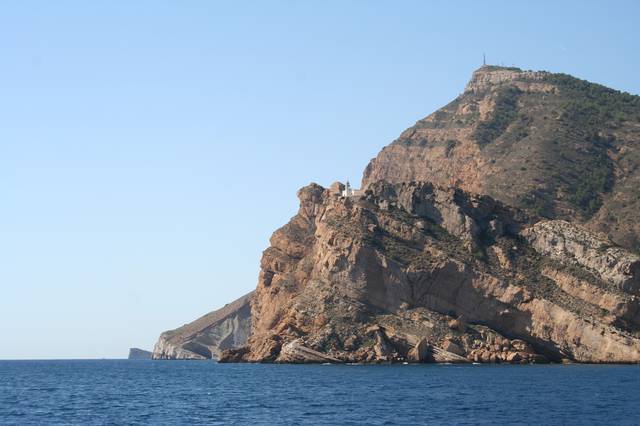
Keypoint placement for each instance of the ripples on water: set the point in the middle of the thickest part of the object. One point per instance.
(166, 392)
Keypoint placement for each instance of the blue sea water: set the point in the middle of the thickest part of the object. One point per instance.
(170, 392)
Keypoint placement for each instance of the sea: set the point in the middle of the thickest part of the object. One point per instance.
(114, 392)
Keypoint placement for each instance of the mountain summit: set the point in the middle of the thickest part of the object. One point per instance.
(552, 144)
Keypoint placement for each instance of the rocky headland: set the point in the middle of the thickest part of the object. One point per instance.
(502, 228)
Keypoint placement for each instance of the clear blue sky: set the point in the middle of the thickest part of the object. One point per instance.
(148, 149)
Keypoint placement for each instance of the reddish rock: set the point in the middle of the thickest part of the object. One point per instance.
(420, 352)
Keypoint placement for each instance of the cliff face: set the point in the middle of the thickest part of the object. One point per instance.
(557, 146)
(418, 272)
(209, 335)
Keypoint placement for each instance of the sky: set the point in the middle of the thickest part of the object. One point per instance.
(148, 149)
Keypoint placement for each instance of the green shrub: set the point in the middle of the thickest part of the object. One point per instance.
(593, 105)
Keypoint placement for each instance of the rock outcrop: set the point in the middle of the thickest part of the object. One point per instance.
(489, 77)
(563, 241)
(414, 272)
(135, 353)
(209, 335)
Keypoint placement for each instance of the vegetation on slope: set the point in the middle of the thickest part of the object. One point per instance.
(592, 105)
(504, 113)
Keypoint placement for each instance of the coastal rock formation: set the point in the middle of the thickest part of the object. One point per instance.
(415, 272)
(209, 335)
(502, 228)
(135, 353)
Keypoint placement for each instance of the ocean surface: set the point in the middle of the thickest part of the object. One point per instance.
(183, 392)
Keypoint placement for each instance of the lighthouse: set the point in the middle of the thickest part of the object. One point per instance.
(348, 191)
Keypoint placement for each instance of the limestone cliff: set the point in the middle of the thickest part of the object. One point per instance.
(418, 272)
(209, 335)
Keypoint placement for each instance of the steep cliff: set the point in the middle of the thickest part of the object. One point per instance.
(209, 335)
(418, 272)
(560, 147)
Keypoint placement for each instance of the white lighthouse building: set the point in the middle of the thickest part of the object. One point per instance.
(348, 191)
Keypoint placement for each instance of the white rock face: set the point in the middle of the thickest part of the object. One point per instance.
(295, 352)
(574, 244)
(208, 336)
(166, 349)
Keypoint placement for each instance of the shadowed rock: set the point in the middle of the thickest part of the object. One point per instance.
(135, 353)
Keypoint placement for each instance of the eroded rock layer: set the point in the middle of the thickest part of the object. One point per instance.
(209, 335)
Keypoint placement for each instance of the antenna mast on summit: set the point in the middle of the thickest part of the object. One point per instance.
(484, 60)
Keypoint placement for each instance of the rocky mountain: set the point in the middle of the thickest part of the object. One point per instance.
(418, 272)
(560, 147)
(136, 353)
(209, 335)
(504, 227)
